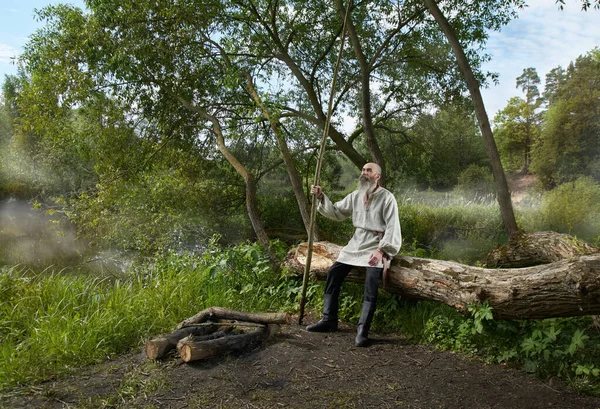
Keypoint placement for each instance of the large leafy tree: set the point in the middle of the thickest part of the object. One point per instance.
(569, 146)
(473, 85)
(134, 53)
(209, 73)
(518, 124)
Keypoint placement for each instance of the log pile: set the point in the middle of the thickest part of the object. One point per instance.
(564, 288)
(216, 331)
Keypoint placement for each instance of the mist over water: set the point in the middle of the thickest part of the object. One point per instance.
(32, 237)
(39, 239)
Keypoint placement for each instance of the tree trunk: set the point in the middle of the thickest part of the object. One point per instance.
(249, 180)
(218, 313)
(365, 96)
(192, 349)
(285, 154)
(504, 201)
(562, 289)
(312, 94)
(532, 249)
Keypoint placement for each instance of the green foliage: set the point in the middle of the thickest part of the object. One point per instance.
(435, 150)
(475, 181)
(566, 347)
(573, 208)
(51, 322)
(568, 146)
(518, 125)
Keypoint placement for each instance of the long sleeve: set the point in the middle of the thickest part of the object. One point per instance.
(391, 241)
(339, 211)
(370, 220)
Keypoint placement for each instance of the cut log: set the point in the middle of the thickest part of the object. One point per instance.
(561, 289)
(532, 249)
(191, 349)
(215, 313)
(200, 338)
(160, 346)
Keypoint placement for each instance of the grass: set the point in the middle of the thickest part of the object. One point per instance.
(53, 322)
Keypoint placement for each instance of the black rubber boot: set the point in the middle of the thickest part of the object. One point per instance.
(364, 324)
(329, 321)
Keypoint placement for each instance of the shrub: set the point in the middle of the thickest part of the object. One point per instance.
(475, 181)
(573, 208)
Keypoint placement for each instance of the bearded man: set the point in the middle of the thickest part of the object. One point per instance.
(377, 237)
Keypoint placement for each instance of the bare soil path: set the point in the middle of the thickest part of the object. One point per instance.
(519, 185)
(298, 369)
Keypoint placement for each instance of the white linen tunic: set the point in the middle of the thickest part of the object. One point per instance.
(379, 215)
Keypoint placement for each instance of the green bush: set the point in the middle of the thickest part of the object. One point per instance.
(573, 208)
(475, 181)
(565, 347)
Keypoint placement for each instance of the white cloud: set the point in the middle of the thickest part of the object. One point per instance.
(6, 53)
(543, 37)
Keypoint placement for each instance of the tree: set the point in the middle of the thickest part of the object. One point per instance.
(502, 191)
(585, 4)
(555, 80)
(434, 149)
(568, 146)
(397, 64)
(178, 68)
(518, 124)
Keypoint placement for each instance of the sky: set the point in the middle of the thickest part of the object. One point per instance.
(543, 37)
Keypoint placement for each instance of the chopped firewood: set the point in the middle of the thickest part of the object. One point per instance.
(216, 313)
(160, 346)
(192, 349)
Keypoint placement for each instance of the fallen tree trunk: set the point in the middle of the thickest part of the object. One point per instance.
(561, 289)
(219, 313)
(193, 349)
(532, 249)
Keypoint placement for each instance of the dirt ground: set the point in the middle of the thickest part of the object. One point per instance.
(298, 369)
(519, 185)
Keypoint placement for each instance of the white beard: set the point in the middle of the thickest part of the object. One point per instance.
(366, 185)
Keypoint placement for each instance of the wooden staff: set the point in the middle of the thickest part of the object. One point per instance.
(313, 210)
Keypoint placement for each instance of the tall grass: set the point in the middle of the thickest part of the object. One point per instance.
(51, 322)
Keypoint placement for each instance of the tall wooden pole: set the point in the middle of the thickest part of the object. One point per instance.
(313, 209)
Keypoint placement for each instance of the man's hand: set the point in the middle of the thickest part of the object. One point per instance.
(376, 258)
(316, 191)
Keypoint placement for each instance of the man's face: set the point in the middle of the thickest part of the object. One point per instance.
(369, 173)
(368, 177)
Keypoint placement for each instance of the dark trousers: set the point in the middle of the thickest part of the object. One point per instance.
(338, 272)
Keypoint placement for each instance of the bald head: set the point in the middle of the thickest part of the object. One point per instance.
(369, 177)
(372, 169)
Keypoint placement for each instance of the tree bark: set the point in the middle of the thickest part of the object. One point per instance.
(365, 96)
(565, 288)
(285, 154)
(249, 179)
(532, 249)
(191, 349)
(160, 346)
(504, 200)
(219, 313)
(280, 49)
